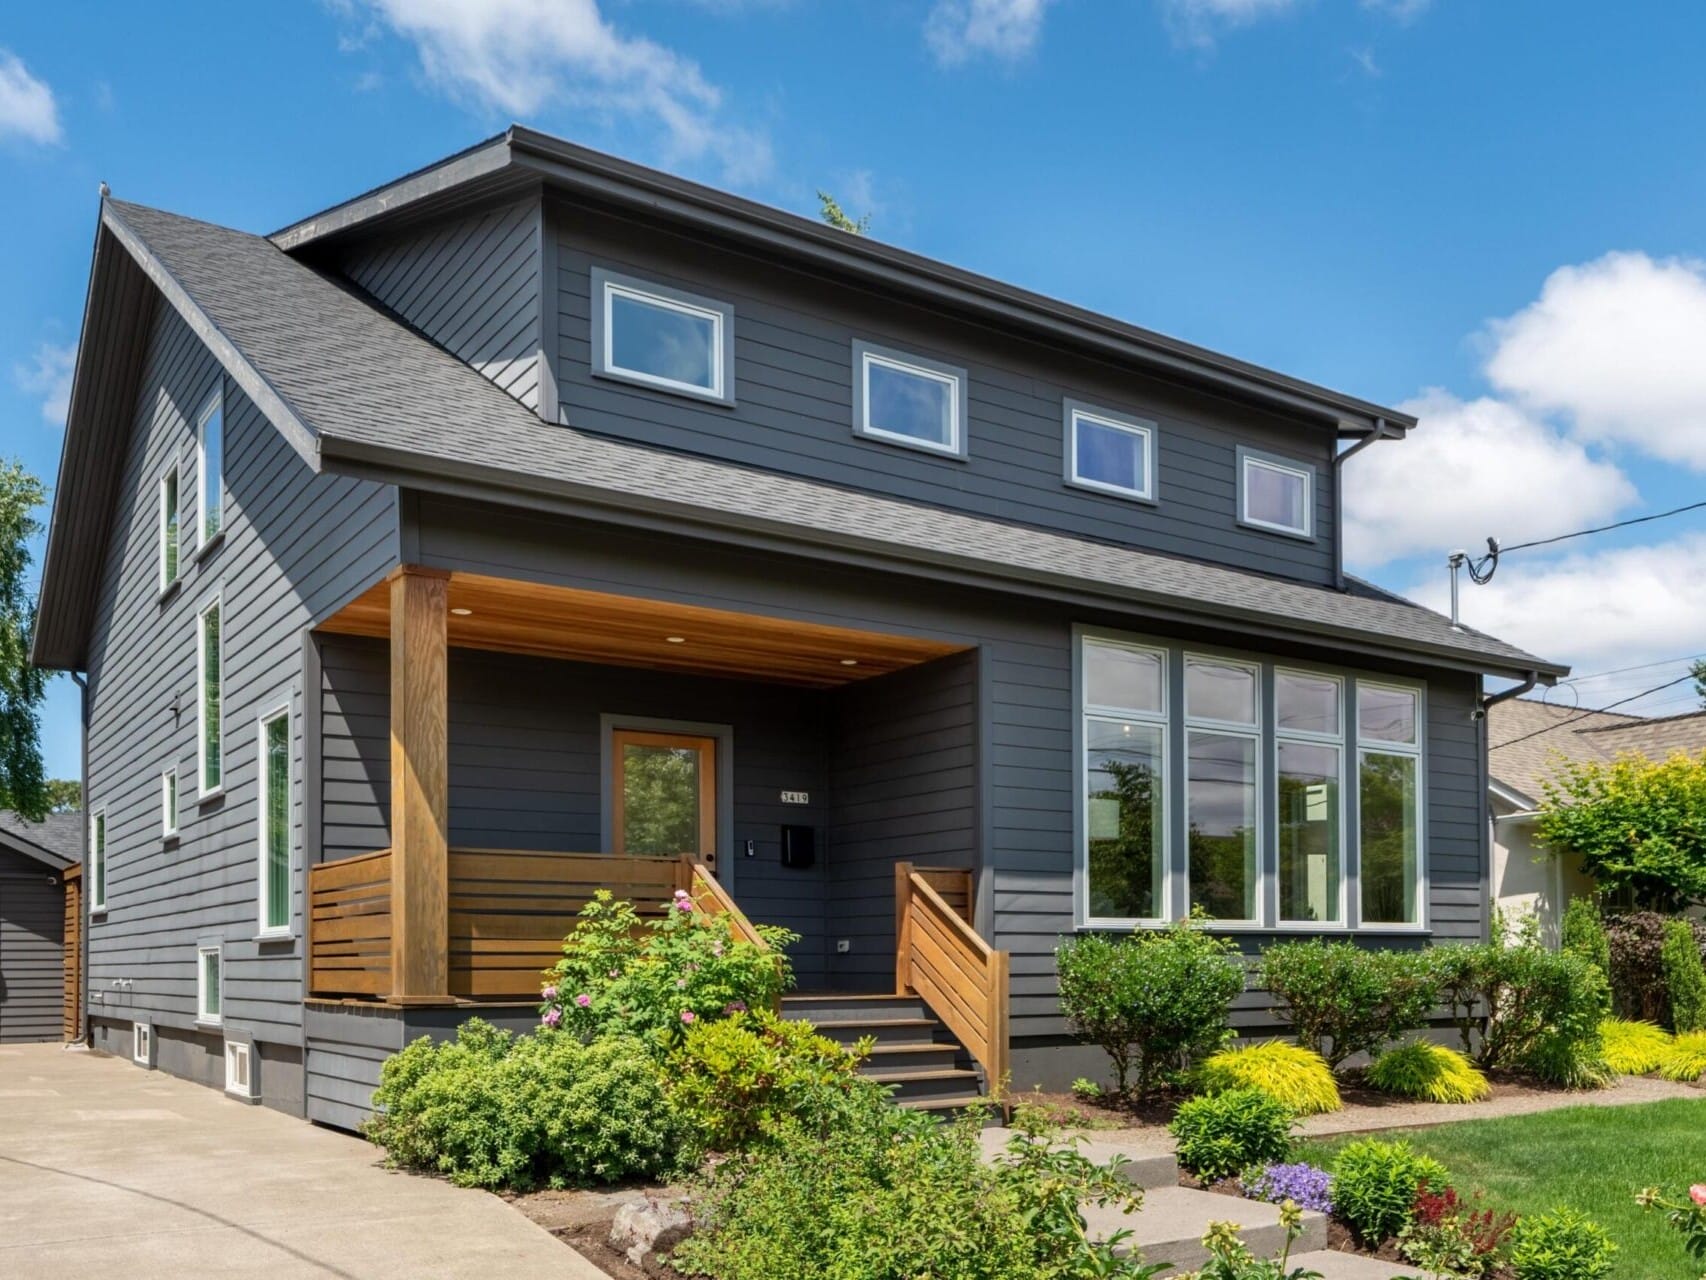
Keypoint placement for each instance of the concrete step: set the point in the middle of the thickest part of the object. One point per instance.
(1334, 1265)
(1171, 1224)
(837, 1008)
(1141, 1168)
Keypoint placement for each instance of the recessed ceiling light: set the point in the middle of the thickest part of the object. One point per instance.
(850, 662)
(461, 613)
(676, 639)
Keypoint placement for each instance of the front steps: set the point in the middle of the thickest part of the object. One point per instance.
(915, 1054)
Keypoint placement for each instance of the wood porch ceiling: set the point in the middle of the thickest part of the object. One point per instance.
(507, 616)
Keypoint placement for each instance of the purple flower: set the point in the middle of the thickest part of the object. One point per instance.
(688, 1016)
(583, 1000)
(549, 993)
(735, 1006)
(1310, 1187)
(553, 1016)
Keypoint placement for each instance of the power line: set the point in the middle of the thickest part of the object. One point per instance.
(1591, 711)
(1617, 671)
(1604, 528)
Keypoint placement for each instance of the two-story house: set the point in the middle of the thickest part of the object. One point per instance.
(541, 522)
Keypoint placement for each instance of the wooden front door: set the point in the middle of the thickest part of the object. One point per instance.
(664, 793)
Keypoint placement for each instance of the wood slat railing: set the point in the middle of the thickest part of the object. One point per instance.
(940, 958)
(509, 912)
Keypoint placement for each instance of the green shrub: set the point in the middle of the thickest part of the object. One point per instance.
(885, 1194)
(1561, 1245)
(1297, 1077)
(733, 1079)
(1342, 999)
(655, 978)
(1633, 1048)
(1153, 1002)
(491, 1110)
(1583, 934)
(1375, 1185)
(1637, 939)
(1685, 977)
(1527, 1008)
(1221, 1134)
(1685, 1058)
(1428, 1071)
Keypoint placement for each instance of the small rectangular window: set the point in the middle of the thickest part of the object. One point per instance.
(210, 470)
(662, 337)
(1275, 494)
(209, 978)
(142, 1044)
(208, 660)
(168, 528)
(1109, 452)
(908, 400)
(274, 824)
(169, 802)
(1386, 714)
(239, 1069)
(98, 861)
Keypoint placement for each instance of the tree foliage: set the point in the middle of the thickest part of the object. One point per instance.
(830, 210)
(64, 795)
(22, 786)
(1638, 826)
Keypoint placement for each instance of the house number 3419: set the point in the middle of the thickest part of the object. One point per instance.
(796, 797)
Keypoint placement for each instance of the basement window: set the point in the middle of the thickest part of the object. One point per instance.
(239, 1069)
(661, 337)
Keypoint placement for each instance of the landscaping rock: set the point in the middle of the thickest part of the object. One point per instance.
(648, 1226)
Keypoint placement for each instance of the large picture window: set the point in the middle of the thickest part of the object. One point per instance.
(1389, 803)
(1125, 751)
(274, 822)
(1309, 766)
(1222, 807)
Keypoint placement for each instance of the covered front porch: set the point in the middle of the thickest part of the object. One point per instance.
(495, 751)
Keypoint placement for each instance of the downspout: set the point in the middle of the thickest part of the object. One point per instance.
(1485, 751)
(1382, 431)
(83, 1037)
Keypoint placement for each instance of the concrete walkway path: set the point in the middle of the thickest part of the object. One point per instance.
(107, 1169)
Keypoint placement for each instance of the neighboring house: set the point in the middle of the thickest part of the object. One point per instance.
(1527, 740)
(542, 502)
(34, 859)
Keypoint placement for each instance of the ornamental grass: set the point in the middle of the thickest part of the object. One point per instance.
(1633, 1048)
(1300, 1078)
(1429, 1072)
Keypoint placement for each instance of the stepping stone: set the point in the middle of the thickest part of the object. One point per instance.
(1173, 1220)
(1143, 1168)
(1334, 1265)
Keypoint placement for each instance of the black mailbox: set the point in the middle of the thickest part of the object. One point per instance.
(798, 846)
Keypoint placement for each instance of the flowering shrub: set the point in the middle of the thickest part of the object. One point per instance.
(1229, 1258)
(1296, 1076)
(1302, 1183)
(1450, 1237)
(1687, 1216)
(655, 978)
(1220, 1134)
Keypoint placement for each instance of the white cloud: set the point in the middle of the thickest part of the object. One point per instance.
(48, 375)
(958, 30)
(1364, 58)
(1401, 10)
(1594, 610)
(1198, 22)
(27, 108)
(1615, 348)
(520, 56)
(1470, 470)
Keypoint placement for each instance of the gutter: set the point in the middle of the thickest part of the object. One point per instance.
(1515, 691)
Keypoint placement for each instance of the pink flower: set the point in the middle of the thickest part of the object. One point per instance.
(716, 948)
(583, 1000)
(688, 1016)
(553, 1016)
(615, 973)
(684, 903)
(549, 993)
(1697, 1193)
(735, 1006)
(681, 984)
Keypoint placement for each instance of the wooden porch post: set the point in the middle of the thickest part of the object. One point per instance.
(420, 787)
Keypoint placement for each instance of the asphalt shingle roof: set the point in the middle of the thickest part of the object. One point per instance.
(1527, 739)
(366, 386)
(60, 835)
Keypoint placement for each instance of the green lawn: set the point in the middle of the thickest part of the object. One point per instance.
(1592, 1158)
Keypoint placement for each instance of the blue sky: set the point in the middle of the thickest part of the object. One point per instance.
(1489, 213)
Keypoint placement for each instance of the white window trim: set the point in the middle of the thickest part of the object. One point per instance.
(203, 791)
(142, 1044)
(235, 1049)
(175, 474)
(1139, 427)
(1251, 731)
(202, 1017)
(1416, 750)
(1340, 742)
(865, 355)
(98, 865)
(215, 403)
(607, 285)
(1248, 458)
(1088, 711)
(169, 802)
(263, 929)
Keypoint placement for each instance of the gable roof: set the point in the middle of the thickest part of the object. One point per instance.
(1527, 738)
(1656, 738)
(356, 391)
(56, 841)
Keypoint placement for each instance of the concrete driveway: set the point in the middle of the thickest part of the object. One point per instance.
(107, 1169)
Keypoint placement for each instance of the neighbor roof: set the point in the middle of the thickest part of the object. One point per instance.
(1527, 739)
(355, 390)
(56, 841)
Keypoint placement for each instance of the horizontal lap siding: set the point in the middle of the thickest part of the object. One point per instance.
(295, 544)
(793, 384)
(32, 951)
(471, 285)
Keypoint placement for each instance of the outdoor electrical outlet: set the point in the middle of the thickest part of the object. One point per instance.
(843, 946)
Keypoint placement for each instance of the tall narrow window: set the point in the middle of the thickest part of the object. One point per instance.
(209, 978)
(908, 400)
(168, 528)
(210, 470)
(98, 861)
(208, 660)
(1275, 494)
(1125, 752)
(169, 802)
(275, 823)
(1109, 452)
(1309, 753)
(1389, 745)
(1222, 810)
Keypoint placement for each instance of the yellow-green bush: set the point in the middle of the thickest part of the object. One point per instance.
(1300, 1078)
(1633, 1048)
(1685, 1058)
(1431, 1072)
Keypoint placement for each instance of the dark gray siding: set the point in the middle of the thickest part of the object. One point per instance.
(794, 397)
(32, 932)
(472, 285)
(903, 788)
(294, 545)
